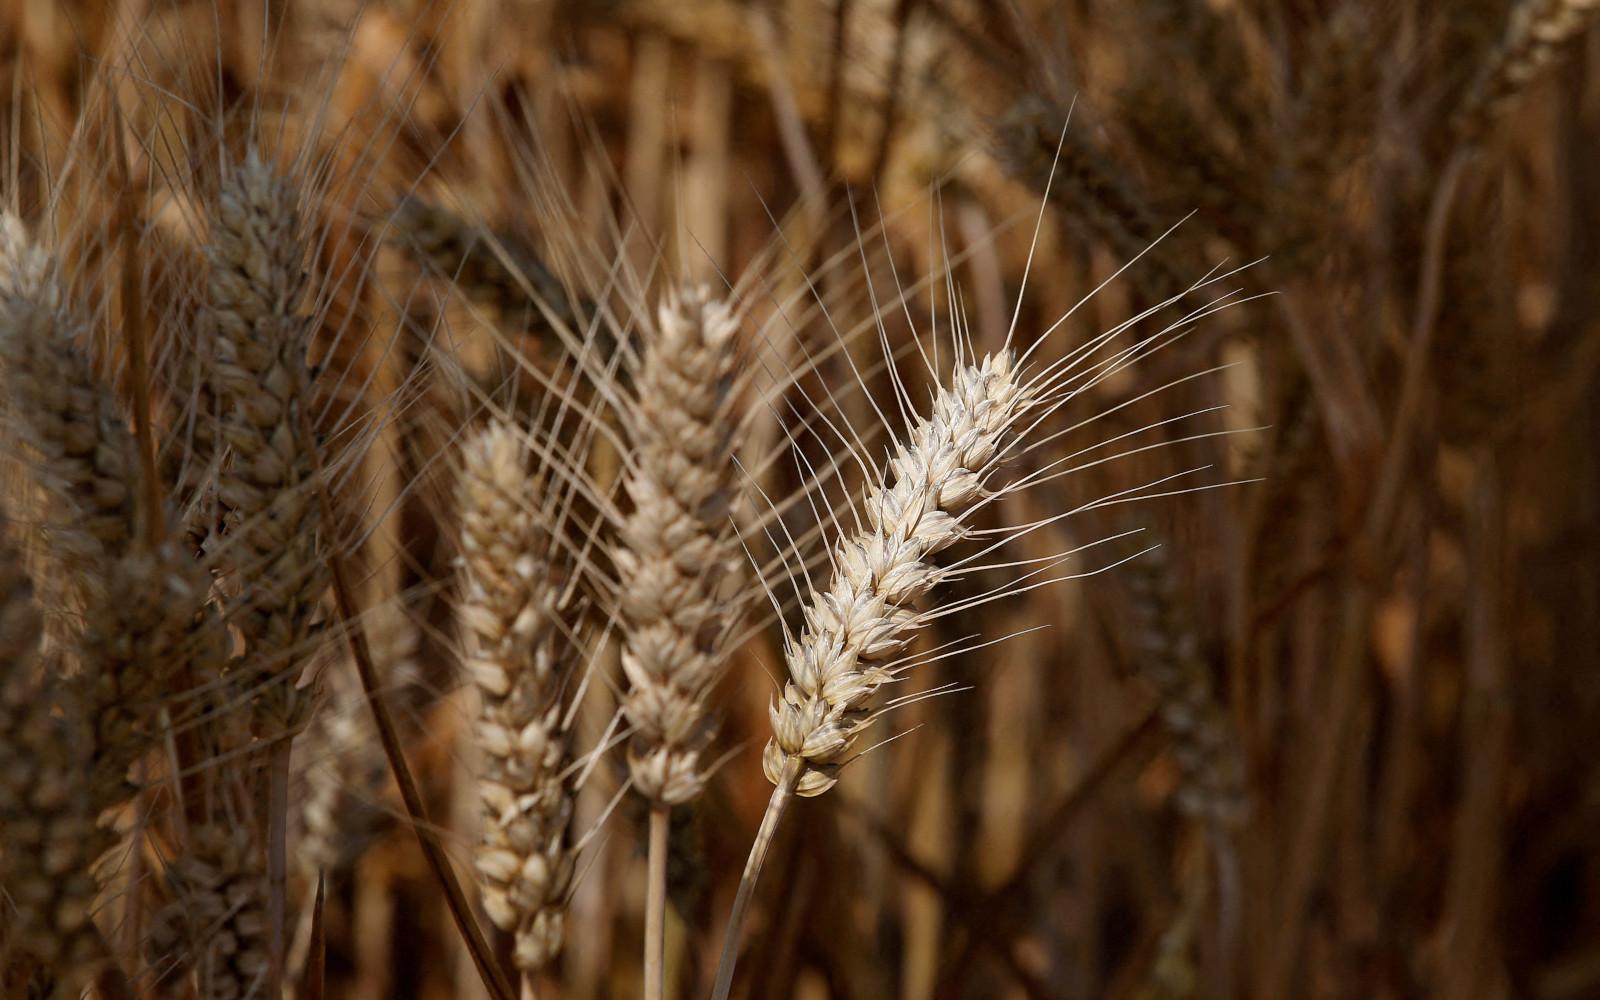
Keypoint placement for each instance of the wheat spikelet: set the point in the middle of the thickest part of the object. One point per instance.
(255, 286)
(856, 628)
(1093, 190)
(1210, 762)
(1533, 39)
(497, 269)
(64, 423)
(24, 266)
(511, 608)
(679, 561)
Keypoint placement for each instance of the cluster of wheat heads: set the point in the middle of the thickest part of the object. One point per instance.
(600, 618)
(169, 643)
(182, 459)
(162, 667)
(669, 562)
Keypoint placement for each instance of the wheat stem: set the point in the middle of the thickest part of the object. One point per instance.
(782, 794)
(133, 325)
(277, 860)
(655, 914)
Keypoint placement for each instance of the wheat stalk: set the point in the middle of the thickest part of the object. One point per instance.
(512, 607)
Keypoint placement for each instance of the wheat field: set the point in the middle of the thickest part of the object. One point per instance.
(817, 499)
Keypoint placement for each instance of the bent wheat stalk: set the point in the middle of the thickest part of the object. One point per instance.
(855, 631)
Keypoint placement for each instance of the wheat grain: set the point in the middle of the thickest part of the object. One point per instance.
(511, 607)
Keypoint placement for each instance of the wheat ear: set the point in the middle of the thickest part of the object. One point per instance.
(267, 486)
(64, 423)
(139, 618)
(255, 285)
(497, 269)
(855, 631)
(678, 561)
(218, 913)
(512, 607)
(48, 835)
(1534, 36)
(1206, 748)
(1212, 788)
